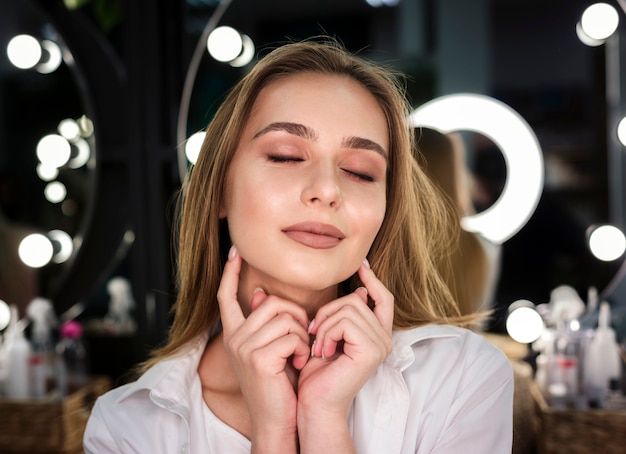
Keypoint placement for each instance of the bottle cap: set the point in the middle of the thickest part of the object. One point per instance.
(71, 330)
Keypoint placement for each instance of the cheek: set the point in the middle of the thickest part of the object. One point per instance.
(371, 221)
(253, 202)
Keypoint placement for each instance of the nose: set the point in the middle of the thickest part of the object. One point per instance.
(322, 186)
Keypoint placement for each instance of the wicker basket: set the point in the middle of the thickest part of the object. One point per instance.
(48, 426)
(576, 431)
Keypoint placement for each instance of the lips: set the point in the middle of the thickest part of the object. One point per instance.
(315, 235)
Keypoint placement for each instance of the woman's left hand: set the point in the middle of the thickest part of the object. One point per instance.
(351, 342)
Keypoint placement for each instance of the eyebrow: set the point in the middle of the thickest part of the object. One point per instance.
(296, 129)
(305, 132)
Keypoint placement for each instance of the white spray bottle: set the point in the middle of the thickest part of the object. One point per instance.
(41, 312)
(602, 359)
(18, 353)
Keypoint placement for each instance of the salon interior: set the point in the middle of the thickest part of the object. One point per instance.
(103, 104)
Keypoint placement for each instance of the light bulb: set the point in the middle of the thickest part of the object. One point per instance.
(35, 250)
(599, 21)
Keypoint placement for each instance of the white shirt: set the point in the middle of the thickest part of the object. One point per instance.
(443, 389)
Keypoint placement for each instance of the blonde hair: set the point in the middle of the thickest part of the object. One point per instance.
(467, 272)
(416, 228)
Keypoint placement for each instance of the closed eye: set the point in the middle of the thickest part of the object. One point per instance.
(360, 176)
(282, 158)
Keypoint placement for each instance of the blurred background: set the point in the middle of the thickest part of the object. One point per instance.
(118, 87)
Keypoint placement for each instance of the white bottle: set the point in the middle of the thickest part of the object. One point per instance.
(18, 356)
(602, 359)
(41, 313)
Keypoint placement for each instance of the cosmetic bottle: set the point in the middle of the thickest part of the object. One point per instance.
(71, 358)
(602, 359)
(41, 314)
(18, 355)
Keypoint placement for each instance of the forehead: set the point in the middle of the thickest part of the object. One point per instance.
(321, 101)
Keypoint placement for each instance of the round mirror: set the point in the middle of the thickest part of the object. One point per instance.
(46, 155)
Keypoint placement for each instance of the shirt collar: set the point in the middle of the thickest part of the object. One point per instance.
(170, 379)
(402, 355)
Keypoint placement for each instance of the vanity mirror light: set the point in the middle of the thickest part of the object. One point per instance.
(55, 143)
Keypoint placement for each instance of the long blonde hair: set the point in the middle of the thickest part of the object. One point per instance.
(416, 228)
(468, 272)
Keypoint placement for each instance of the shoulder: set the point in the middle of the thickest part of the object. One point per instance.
(148, 414)
(459, 351)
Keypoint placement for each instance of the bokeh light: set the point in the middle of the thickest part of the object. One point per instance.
(224, 44)
(524, 324)
(53, 150)
(607, 243)
(599, 21)
(55, 192)
(5, 315)
(193, 146)
(35, 250)
(64, 243)
(24, 51)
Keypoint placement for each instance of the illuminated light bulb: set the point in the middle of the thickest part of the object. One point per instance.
(607, 243)
(46, 172)
(518, 144)
(599, 21)
(586, 39)
(65, 245)
(5, 315)
(224, 44)
(193, 146)
(86, 126)
(524, 324)
(247, 54)
(621, 131)
(24, 51)
(53, 57)
(35, 250)
(54, 150)
(55, 192)
(83, 153)
(69, 129)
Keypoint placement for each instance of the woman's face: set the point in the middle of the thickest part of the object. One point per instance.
(306, 190)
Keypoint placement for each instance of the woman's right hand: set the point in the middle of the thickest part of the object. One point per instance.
(262, 349)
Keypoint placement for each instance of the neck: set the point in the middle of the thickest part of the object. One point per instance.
(310, 299)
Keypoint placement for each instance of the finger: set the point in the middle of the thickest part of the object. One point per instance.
(351, 312)
(362, 292)
(382, 297)
(230, 310)
(358, 299)
(265, 330)
(258, 296)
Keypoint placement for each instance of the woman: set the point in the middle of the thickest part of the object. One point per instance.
(284, 338)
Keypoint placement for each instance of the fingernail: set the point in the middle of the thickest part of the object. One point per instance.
(313, 348)
(232, 253)
(311, 325)
(366, 263)
(363, 289)
(257, 290)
